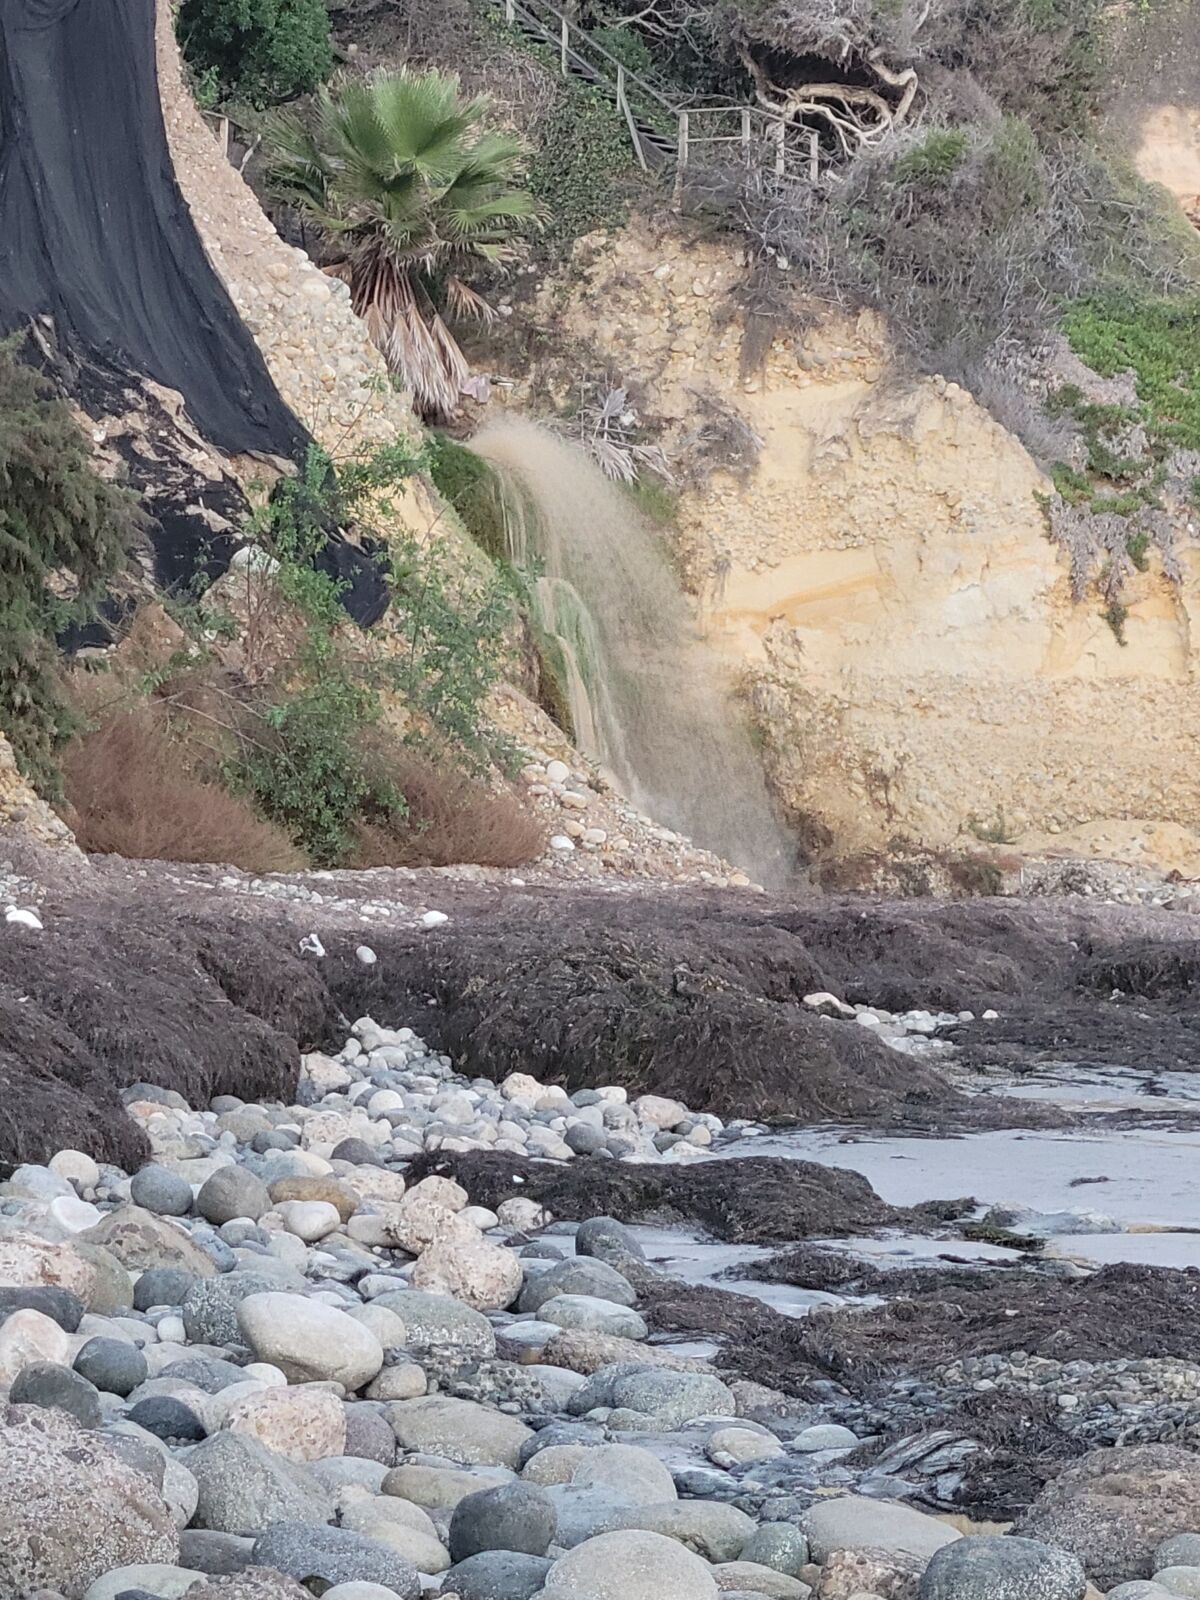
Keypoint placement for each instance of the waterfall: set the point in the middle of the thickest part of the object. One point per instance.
(649, 699)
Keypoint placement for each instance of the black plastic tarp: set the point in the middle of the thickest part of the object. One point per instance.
(96, 237)
(94, 232)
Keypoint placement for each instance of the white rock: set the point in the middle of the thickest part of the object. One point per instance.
(631, 1565)
(482, 1275)
(309, 1220)
(433, 919)
(324, 1073)
(172, 1331)
(366, 955)
(825, 1436)
(733, 1446)
(387, 1326)
(520, 1086)
(29, 1336)
(23, 919)
(822, 1000)
(480, 1217)
(658, 1112)
(527, 1215)
(854, 1522)
(264, 1373)
(557, 772)
(311, 945)
(76, 1167)
(309, 1341)
(560, 841)
(73, 1214)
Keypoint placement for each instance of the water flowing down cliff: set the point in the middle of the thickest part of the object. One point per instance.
(649, 700)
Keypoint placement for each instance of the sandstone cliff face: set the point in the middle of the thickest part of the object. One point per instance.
(884, 576)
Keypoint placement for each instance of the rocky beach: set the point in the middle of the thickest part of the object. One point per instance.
(340, 1256)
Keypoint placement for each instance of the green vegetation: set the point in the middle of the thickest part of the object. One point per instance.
(656, 500)
(262, 52)
(400, 174)
(938, 157)
(582, 171)
(1116, 615)
(1159, 340)
(468, 483)
(1137, 547)
(316, 753)
(64, 533)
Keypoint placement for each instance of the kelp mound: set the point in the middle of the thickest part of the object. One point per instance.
(748, 1201)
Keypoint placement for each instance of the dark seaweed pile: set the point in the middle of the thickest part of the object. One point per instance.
(697, 995)
(749, 1201)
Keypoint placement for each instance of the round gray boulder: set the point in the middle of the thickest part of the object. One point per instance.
(581, 1276)
(112, 1365)
(631, 1566)
(498, 1575)
(335, 1555)
(1181, 1551)
(44, 1383)
(515, 1516)
(160, 1191)
(606, 1239)
(232, 1192)
(1000, 1567)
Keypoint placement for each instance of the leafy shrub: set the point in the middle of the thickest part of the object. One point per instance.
(260, 51)
(132, 791)
(64, 532)
(583, 166)
(936, 158)
(305, 768)
(313, 748)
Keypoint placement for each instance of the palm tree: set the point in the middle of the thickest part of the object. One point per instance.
(400, 170)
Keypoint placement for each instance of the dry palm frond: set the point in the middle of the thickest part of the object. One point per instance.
(606, 427)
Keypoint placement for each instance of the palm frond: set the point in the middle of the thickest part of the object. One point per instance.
(463, 301)
(402, 168)
(297, 171)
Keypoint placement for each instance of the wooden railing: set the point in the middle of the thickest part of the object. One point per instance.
(661, 129)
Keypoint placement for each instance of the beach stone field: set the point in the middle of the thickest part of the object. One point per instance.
(274, 1363)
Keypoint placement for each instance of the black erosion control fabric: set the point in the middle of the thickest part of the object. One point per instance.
(96, 237)
(94, 232)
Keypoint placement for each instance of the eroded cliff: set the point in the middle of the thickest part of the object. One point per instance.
(881, 567)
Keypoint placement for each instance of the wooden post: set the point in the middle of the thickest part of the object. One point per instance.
(681, 159)
(814, 157)
(564, 46)
(626, 111)
(746, 133)
(510, 13)
(780, 148)
(223, 137)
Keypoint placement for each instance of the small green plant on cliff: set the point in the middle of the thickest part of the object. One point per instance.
(403, 176)
(259, 51)
(468, 483)
(64, 533)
